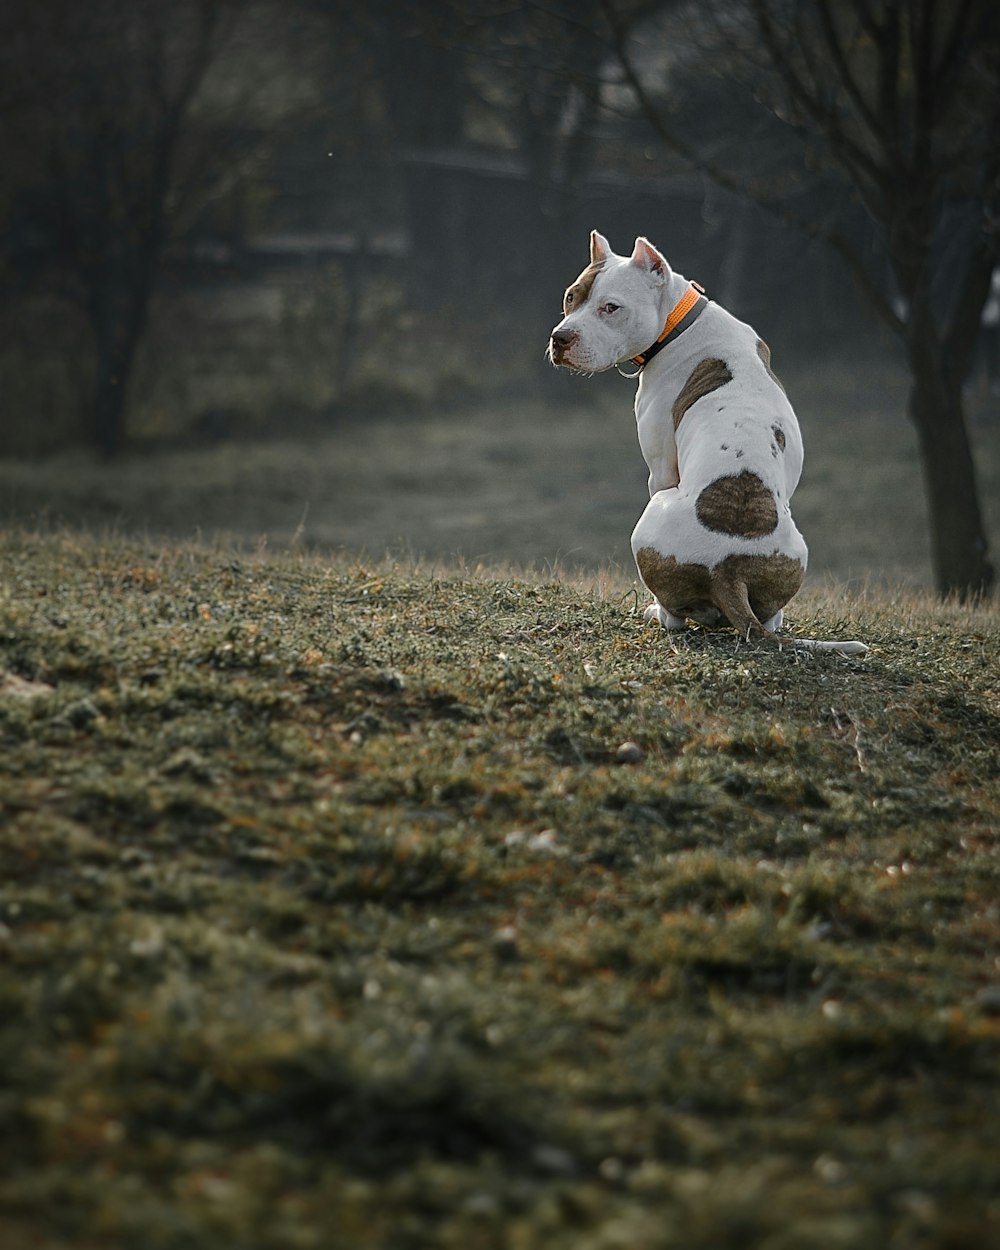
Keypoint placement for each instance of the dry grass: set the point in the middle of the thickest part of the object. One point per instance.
(331, 916)
(539, 485)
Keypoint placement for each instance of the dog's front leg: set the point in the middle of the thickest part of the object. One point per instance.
(661, 481)
(659, 450)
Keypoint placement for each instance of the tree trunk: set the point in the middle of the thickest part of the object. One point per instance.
(117, 333)
(959, 550)
(109, 407)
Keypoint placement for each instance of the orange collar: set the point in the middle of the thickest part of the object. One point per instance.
(684, 313)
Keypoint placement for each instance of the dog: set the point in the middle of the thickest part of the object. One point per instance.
(716, 543)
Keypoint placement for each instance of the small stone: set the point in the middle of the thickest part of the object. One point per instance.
(505, 944)
(545, 843)
(187, 761)
(612, 1170)
(389, 680)
(481, 1206)
(150, 946)
(917, 1203)
(988, 1000)
(134, 855)
(554, 1160)
(830, 1170)
(80, 714)
(630, 753)
(16, 687)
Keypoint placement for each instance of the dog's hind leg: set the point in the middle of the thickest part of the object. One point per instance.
(774, 623)
(657, 612)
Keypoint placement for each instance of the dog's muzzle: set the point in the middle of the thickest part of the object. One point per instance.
(560, 344)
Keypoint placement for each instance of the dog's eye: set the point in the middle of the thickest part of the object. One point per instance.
(567, 299)
(610, 308)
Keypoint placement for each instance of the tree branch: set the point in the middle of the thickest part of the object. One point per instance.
(955, 44)
(848, 151)
(960, 334)
(742, 188)
(886, 39)
(851, 84)
(924, 82)
(866, 17)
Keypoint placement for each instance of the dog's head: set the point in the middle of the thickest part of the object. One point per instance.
(613, 311)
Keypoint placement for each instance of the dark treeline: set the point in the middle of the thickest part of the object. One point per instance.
(407, 171)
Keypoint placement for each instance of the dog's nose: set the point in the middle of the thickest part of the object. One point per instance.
(564, 338)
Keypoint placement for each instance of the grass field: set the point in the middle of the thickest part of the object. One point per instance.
(358, 904)
(548, 485)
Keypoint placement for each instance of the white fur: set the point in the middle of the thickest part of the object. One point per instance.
(728, 430)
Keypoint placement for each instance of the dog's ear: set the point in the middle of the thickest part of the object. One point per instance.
(600, 248)
(646, 257)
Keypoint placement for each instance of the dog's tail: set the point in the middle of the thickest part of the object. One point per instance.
(729, 594)
(852, 647)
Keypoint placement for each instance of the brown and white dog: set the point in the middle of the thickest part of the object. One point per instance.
(717, 540)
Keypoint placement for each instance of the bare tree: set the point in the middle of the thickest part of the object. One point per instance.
(99, 95)
(538, 71)
(550, 66)
(900, 101)
(448, 75)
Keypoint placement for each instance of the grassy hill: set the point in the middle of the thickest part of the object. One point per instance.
(354, 905)
(516, 479)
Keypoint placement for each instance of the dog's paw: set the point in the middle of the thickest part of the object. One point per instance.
(774, 624)
(658, 613)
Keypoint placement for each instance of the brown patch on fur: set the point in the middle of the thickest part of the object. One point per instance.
(707, 376)
(683, 589)
(745, 589)
(764, 352)
(770, 582)
(579, 291)
(740, 505)
(779, 436)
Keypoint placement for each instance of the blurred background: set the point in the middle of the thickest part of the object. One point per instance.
(286, 270)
